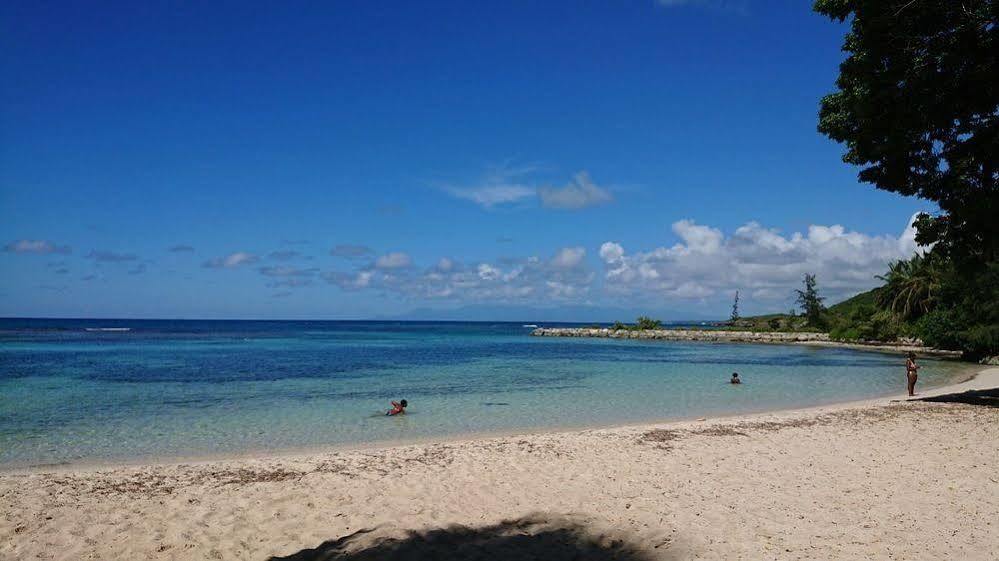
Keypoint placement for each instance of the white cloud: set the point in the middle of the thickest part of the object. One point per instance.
(611, 252)
(564, 276)
(232, 261)
(760, 261)
(568, 257)
(350, 281)
(487, 272)
(499, 187)
(350, 251)
(705, 264)
(489, 196)
(284, 255)
(286, 271)
(36, 246)
(581, 192)
(394, 260)
(111, 256)
(290, 282)
(508, 186)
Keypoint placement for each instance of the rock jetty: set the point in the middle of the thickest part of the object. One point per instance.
(682, 335)
(724, 336)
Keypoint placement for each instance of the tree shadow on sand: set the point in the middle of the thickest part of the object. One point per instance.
(987, 398)
(536, 537)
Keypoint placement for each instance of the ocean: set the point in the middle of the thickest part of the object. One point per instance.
(76, 391)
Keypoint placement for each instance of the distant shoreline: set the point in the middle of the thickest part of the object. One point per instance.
(724, 336)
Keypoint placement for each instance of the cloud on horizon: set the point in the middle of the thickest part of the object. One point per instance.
(351, 251)
(285, 255)
(37, 246)
(563, 276)
(394, 260)
(759, 261)
(285, 271)
(102, 256)
(705, 265)
(231, 261)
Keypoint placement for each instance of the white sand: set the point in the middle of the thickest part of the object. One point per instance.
(877, 480)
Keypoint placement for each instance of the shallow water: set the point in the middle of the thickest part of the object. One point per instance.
(89, 390)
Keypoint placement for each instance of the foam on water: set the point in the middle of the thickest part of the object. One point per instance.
(175, 388)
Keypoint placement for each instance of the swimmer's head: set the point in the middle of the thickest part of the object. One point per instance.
(403, 403)
(735, 374)
(912, 355)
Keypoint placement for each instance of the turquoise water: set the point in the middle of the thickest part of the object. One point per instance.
(73, 391)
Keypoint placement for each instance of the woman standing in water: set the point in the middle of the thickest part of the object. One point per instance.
(910, 372)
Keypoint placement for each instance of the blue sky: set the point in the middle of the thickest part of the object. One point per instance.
(363, 159)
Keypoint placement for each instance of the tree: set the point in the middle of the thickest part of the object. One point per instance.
(645, 322)
(735, 308)
(918, 110)
(811, 302)
(911, 287)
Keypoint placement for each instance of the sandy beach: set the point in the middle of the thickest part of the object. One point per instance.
(882, 479)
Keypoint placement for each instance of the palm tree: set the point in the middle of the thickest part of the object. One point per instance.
(911, 287)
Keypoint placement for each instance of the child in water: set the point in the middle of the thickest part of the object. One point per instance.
(735, 378)
(397, 408)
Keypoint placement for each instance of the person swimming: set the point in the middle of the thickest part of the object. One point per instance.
(735, 378)
(397, 408)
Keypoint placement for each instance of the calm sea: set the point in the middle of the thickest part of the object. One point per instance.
(94, 390)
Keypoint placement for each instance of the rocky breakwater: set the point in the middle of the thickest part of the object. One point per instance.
(683, 335)
(723, 336)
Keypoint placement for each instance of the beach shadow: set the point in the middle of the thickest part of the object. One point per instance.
(535, 537)
(986, 398)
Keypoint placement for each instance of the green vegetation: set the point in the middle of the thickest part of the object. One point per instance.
(645, 322)
(641, 324)
(767, 322)
(917, 108)
(811, 303)
(929, 298)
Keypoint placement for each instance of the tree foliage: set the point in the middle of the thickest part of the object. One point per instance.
(917, 107)
(811, 302)
(645, 322)
(911, 287)
(735, 308)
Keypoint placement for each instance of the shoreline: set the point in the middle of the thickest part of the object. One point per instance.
(751, 337)
(884, 478)
(983, 379)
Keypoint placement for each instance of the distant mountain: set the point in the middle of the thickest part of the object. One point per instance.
(534, 314)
